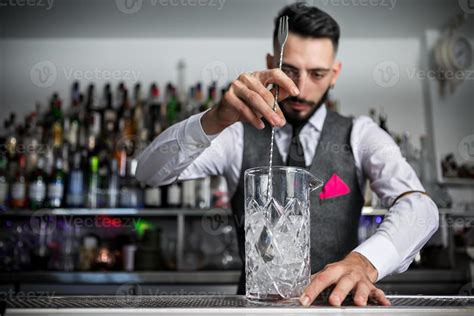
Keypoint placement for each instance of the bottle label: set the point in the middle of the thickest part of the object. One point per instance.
(174, 194)
(18, 191)
(37, 191)
(3, 192)
(55, 190)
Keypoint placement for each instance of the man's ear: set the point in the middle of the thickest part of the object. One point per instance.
(269, 61)
(337, 70)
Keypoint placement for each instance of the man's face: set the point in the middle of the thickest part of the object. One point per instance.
(310, 62)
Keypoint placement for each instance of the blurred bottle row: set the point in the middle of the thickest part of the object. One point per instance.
(85, 155)
(73, 244)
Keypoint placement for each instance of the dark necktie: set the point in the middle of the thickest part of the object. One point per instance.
(296, 152)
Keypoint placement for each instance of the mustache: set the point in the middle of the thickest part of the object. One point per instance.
(299, 100)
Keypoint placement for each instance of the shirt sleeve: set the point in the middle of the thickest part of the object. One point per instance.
(408, 224)
(184, 151)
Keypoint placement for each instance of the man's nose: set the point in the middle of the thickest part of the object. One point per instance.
(303, 85)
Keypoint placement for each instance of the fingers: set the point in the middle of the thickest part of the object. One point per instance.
(379, 296)
(348, 275)
(245, 112)
(343, 287)
(330, 275)
(253, 83)
(362, 293)
(256, 102)
(248, 99)
(278, 77)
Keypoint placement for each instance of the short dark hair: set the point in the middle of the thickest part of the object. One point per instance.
(309, 22)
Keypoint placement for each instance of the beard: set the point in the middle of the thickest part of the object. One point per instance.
(294, 120)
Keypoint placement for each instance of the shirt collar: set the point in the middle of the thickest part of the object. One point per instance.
(318, 117)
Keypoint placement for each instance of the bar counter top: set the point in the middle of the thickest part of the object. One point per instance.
(228, 304)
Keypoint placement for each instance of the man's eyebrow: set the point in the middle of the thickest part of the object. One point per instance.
(313, 69)
(319, 69)
(289, 66)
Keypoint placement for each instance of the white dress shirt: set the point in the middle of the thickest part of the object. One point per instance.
(184, 151)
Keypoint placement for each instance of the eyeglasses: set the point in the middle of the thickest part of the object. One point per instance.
(314, 74)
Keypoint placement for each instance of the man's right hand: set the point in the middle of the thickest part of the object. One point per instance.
(248, 100)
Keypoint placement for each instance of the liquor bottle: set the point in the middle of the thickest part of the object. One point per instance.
(93, 187)
(18, 191)
(189, 193)
(94, 118)
(126, 117)
(109, 125)
(3, 182)
(203, 192)
(119, 95)
(190, 108)
(56, 184)
(72, 123)
(139, 123)
(156, 121)
(102, 199)
(37, 186)
(131, 195)
(152, 197)
(110, 115)
(113, 188)
(174, 195)
(57, 124)
(138, 110)
(32, 142)
(75, 184)
(172, 107)
(198, 96)
(219, 192)
(211, 99)
(83, 123)
(12, 138)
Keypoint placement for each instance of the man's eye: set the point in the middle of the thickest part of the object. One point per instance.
(290, 72)
(317, 75)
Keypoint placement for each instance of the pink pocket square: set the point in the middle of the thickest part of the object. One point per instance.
(334, 187)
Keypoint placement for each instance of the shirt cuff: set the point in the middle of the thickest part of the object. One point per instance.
(381, 252)
(192, 133)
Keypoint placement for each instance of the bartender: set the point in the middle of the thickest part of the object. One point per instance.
(344, 152)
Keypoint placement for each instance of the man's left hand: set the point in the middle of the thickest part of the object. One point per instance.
(352, 274)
